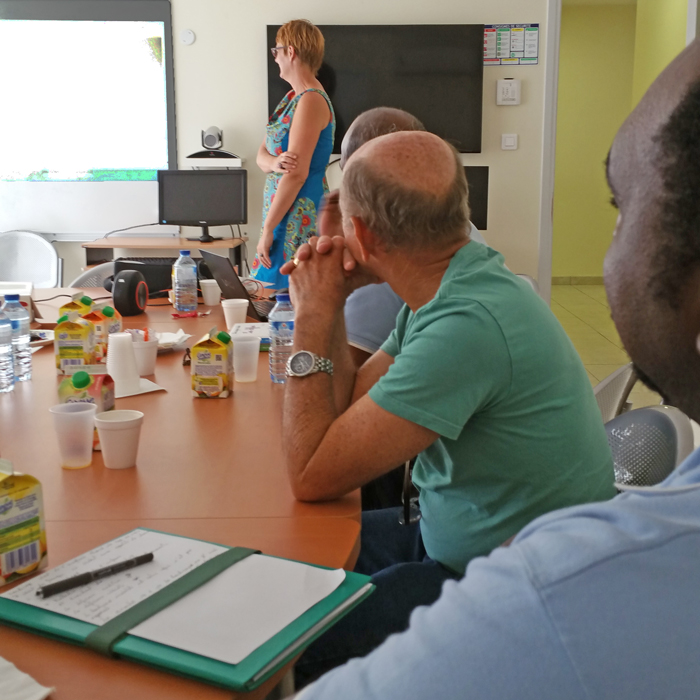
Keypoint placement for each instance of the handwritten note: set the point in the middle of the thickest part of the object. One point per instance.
(100, 601)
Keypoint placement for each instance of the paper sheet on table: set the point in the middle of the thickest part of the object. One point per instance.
(15, 685)
(100, 601)
(240, 609)
(145, 386)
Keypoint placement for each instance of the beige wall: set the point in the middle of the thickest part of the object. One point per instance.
(221, 80)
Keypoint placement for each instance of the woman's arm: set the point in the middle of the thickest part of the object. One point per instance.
(283, 163)
(310, 118)
(265, 159)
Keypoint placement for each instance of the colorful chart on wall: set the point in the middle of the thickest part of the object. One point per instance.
(511, 44)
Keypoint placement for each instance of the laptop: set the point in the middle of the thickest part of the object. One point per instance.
(232, 287)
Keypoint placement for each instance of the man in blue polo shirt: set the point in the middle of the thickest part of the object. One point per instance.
(600, 600)
(478, 379)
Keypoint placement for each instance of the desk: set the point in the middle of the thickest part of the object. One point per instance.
(207, 468)
(232, 245)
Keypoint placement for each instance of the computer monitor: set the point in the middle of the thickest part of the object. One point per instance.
(203, 198)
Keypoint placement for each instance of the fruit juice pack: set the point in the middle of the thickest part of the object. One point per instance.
(89, 384)
(212, 366)
(22, 527)
(79, 303)
(114, 319)
(101, 324)
(73, 342)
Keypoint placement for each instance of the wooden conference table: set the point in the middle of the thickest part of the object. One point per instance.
(210, 469)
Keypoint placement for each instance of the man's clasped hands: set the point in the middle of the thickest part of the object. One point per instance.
(324, 272)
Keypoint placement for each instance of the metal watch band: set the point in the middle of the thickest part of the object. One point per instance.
(321, 364)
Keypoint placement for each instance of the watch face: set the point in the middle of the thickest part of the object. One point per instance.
(301, 362)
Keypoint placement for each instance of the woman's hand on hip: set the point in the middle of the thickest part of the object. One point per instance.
(264, 245)
(285, 162)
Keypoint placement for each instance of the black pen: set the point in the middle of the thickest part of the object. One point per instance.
(81, 579)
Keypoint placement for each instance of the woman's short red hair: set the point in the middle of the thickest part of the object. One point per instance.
(307, 40)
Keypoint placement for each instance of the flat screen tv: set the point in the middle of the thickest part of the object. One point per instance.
(435, 72)
(88, 114)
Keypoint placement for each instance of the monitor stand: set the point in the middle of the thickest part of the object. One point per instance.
(205, 237)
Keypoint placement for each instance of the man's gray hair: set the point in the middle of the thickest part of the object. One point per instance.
(407, 218)
(378, 122)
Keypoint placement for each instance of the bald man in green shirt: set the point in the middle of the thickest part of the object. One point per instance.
(478, 379)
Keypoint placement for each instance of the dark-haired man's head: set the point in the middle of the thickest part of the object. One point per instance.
(376, 122)
(652, 269)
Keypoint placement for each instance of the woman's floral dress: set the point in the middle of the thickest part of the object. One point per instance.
(299, 223)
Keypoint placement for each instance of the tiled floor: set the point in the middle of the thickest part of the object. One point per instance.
(583, 311)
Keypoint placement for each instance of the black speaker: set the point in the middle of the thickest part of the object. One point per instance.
(130, 293)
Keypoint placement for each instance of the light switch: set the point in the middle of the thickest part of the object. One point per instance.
(509, 142)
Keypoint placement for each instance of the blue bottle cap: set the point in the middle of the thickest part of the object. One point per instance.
(184, 252)
(282, 297)
(11, 297)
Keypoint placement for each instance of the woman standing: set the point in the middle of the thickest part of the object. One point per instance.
(295, 152)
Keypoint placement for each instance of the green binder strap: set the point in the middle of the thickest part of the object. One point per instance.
(105, 637)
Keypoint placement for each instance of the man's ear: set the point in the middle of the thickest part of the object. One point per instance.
(366, 240)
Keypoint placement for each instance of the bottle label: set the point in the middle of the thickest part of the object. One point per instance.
(282, 328)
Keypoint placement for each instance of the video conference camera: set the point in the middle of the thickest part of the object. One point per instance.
(212, 138)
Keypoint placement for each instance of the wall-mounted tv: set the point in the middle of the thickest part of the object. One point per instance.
(433, 71)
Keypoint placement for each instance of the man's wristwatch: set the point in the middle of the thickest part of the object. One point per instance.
(304, 363)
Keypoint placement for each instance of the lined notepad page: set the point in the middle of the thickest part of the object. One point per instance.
(225, 619)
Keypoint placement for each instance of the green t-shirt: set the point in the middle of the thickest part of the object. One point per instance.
(487, 366)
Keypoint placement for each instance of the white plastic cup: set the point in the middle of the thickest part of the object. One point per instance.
(235, 311)
(121, 363)
(211, 292)
(146, 352)
(119, 433)
(75, 428)
(246, 350)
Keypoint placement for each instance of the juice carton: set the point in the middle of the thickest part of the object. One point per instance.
(22, 528)
(80, 303)
(74, 342)
(114, 319)
(101, 325)
(212, 366)
(88, 384)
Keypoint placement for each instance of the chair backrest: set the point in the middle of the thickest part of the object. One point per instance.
(612, 392)
(94, 276)
(648, 443)
(27, 257)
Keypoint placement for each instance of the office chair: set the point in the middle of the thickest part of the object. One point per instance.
(612, 392)
(28, 257)
(94, 276)
(647, 444)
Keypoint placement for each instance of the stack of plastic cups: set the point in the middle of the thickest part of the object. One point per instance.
(121, 364)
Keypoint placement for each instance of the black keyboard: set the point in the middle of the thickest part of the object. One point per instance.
(263, 306)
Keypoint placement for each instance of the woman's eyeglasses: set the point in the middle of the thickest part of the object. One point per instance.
(275, 49)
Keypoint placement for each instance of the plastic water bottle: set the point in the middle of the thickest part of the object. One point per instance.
(7, 372)
(22, 355)
(185, 283)
(281, 337)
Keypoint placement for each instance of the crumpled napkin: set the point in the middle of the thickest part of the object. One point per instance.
(172, 341)
(15, 685)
